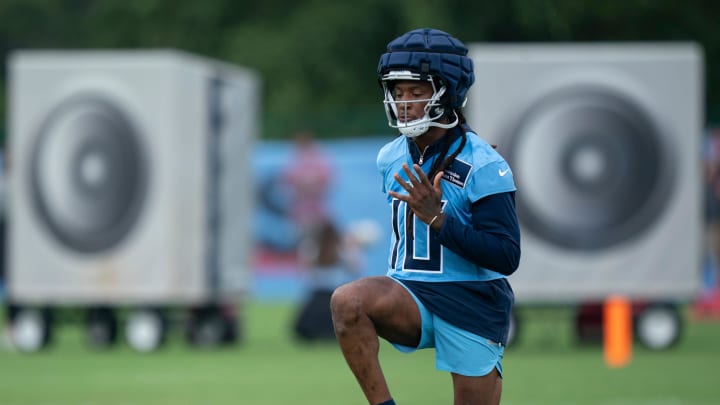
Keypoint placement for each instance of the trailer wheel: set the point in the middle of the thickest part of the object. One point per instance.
(146, 330)
(101, 327)
(31, 328)
(658, 327)
(211, 326)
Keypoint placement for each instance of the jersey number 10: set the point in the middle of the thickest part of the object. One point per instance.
(423, 252)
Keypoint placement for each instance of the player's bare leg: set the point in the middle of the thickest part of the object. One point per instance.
(362, 311)
(483, 390)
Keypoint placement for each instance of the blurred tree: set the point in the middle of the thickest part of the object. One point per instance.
(318, 57)
(316, 63)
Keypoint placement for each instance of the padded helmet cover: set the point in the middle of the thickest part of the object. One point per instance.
(428, 51)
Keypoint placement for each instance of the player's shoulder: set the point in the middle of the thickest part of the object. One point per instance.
(391, 152)
(480, 152)
(394, 146)
(489, 172)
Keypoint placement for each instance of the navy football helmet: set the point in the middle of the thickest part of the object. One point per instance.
(430, 55)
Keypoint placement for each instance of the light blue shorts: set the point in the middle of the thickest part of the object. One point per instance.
(456, 350)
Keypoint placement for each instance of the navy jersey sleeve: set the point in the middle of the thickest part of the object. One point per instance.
(493, 241)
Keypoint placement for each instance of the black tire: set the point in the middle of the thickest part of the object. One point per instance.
(588, 323)
(211, 326)
(101, 328)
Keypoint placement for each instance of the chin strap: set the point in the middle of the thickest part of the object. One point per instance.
(413, 131)
(445, 126)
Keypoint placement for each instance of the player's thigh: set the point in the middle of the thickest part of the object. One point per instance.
(388, 304)
(477, 390)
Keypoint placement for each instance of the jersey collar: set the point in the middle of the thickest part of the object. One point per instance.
(434, 148)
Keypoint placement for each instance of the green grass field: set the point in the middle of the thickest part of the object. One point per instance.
(545, 367)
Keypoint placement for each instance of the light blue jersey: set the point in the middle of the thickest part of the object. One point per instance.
(478, 171)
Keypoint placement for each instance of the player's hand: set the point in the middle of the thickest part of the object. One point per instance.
(423, 197)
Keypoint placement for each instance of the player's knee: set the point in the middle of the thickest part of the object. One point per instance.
(345, 306)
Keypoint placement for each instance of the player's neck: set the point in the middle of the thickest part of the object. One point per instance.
(430, 137)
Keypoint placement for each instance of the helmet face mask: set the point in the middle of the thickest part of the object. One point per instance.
(426, 55)
(397, 109)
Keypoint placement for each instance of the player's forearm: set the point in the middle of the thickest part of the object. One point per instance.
(496, 252)
(493, 239)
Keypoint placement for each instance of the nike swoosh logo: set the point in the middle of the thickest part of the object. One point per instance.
(503, 172)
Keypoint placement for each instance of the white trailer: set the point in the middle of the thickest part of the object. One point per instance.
(604, 143)
(130, 188)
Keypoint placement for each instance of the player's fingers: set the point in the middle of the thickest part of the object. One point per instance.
(403, 183)
(411, 175)
(401, 197)
(421, 175)
(436, 184)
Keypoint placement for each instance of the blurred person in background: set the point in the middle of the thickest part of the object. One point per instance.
(308, 176)
(292, 200)
(331, 259)
(455, 231)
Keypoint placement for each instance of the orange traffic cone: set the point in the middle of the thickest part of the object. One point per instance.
(617, 331)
